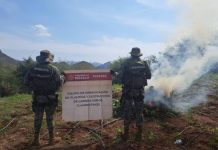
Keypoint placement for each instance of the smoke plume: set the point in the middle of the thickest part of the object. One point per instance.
(197, 19)
(195, 51)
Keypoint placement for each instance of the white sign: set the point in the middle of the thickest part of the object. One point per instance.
(87, 95)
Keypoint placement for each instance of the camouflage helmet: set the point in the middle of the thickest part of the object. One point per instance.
(45, 56)
(136, 52)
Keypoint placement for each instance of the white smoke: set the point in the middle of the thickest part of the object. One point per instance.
(192, 55)
(196, 18)
(180, 67)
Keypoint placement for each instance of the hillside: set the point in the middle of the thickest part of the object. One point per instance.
(8, 81)
(7, 64)
(82, 65)
(7, 59)
(104, 66)
(197, 128)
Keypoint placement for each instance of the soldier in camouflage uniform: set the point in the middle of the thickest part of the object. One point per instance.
(134, 75)
(44, 80)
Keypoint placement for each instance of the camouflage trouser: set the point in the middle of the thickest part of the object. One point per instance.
(39, 109)
(133, 104)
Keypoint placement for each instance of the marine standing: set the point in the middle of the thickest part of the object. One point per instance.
(134, 75)
(44, 80)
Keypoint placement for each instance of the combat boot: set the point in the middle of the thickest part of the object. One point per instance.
(125, 136)
(36, 140)
(138, 136)
(51, 138)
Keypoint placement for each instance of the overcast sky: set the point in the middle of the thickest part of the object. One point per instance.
(90, 30)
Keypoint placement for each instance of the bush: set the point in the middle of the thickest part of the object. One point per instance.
(8, 84)
(116, 67)
(21, 72)
(213, 140)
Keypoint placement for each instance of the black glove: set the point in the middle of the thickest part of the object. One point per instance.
(112, 72)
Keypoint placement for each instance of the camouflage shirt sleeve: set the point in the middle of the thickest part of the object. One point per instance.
(147, 71)
(123, 72)
(27, 78)
(28, 81)
(57, 76)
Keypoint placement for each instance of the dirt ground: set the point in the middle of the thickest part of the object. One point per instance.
(195, 129)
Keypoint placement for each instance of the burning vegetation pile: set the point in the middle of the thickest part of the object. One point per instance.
(158, 107)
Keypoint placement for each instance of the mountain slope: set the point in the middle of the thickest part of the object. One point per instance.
(104, 66)
(7, 59)
(7, 63)
(82, 65)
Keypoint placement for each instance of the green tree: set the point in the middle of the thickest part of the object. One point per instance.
(151, 59)
(62, 65)
(8, 80)
(22, 70)
(116, 67)
(8, 84)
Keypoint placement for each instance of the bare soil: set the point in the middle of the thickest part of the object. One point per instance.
(195, 129)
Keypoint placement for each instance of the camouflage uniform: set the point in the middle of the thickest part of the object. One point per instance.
(44, 80)
(133, 92)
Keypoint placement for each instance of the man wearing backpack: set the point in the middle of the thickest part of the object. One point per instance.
(44, 80)
(134, 75)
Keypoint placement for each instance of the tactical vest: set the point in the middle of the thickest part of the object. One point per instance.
(135, 74)
(42, 79)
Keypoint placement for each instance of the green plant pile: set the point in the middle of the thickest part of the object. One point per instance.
(213, 140)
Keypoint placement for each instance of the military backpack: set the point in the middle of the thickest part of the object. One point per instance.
(43, 80)
(135, 74)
